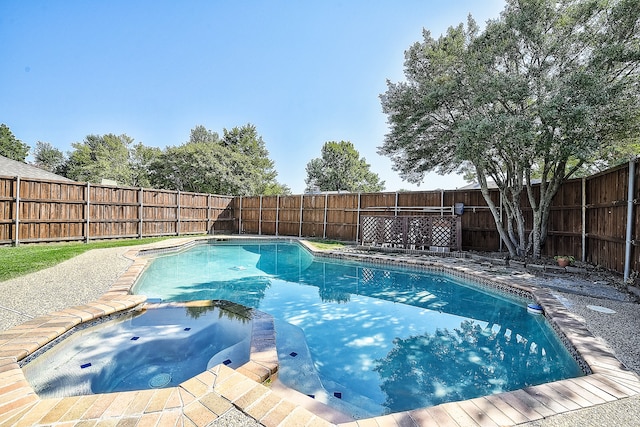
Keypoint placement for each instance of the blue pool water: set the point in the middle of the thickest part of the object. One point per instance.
(159, 347)
(368, 339)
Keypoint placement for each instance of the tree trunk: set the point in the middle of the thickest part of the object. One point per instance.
(498, 220)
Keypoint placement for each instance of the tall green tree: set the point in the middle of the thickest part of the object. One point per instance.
(236, 164)
(340, 168)
(49, 158)
(140, 159)
(10, 146)
(254, 164)
(193, 166)
(101, 157)
(541, 92)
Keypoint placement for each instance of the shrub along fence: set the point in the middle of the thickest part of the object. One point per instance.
(595, 219)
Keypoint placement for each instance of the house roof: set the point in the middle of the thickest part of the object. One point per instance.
(9, 167)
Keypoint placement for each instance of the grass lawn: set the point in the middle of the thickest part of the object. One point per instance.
(23, 259)
(326, 244)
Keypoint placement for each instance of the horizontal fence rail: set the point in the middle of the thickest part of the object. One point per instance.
(594, 219)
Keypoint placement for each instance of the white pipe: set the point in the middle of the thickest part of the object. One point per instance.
(627, 251)
(395, 210)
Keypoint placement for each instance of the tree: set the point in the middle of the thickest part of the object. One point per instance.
(49, 158)
(542, 91)
(101, 157)
(193, 166)
(237, 164)
(140, 159)
(254, 163)
(340, 168)
(10, 146)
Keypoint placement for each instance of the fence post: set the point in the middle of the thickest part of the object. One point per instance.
(301, 204)
(240, 218)
(209, 214)
(324, 227)
(584, 220)
(178, 215)
(140, 212)
(358, 219)
(88, 214)
(17, 218)
(260, 217)
(277, 212)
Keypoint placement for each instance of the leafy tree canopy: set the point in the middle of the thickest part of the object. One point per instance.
(544, 90)
(101, 157)
(236, 164)
(49, 158)
(340, 168)
(10, 146)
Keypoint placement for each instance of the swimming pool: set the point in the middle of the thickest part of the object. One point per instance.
(158, 347)
(368, 339)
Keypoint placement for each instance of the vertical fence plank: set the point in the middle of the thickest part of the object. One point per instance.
(17, 217)
(324, 225)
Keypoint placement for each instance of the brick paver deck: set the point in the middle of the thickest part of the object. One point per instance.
(205, 397)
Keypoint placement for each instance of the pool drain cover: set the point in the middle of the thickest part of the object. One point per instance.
(160, 380)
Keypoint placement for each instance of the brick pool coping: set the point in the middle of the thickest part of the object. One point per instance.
(207, 396)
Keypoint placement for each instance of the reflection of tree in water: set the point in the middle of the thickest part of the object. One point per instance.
(330, 294)
(248, 291)
(225, 309)
(196, 312)
(427, 370)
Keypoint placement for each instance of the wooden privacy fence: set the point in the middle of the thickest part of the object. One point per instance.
(340, 216)
(33, 210)
(594, 219)
(589, 217)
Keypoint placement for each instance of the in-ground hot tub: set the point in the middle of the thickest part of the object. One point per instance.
(158, 346)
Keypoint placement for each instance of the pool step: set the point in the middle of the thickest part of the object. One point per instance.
(298, 372)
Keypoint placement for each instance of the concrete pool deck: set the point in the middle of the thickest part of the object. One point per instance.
(207, 398)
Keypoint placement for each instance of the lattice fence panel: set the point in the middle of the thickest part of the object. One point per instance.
(411, 232)
(419, 232)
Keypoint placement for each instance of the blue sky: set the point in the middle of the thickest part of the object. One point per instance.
(303, 72)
